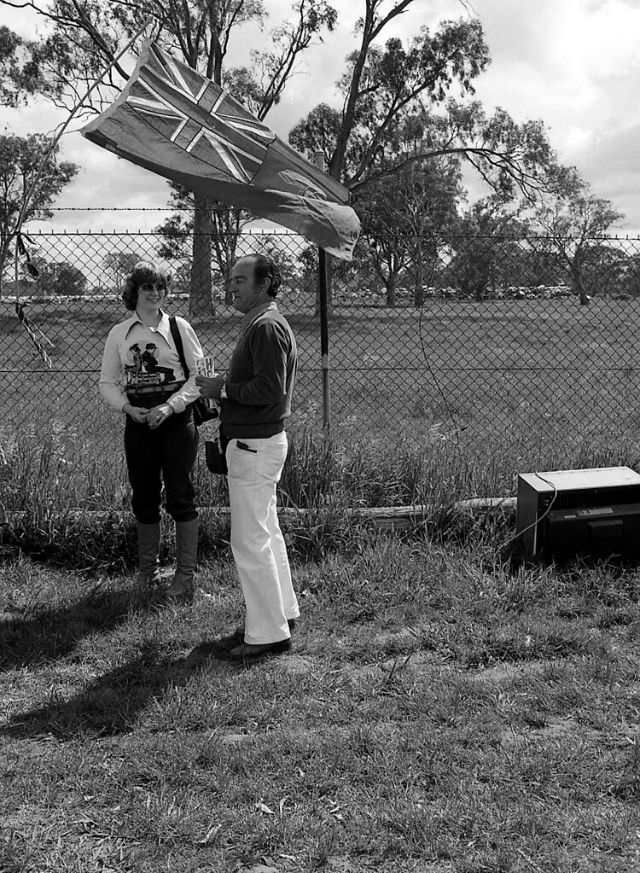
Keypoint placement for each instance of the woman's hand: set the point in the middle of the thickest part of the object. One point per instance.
(158, 415)
(210, 386)
(137, 413)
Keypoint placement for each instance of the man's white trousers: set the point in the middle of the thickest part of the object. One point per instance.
(255, 467)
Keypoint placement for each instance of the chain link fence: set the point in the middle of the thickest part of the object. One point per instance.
(478, 335)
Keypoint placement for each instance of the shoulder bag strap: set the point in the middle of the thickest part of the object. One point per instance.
(177, 338)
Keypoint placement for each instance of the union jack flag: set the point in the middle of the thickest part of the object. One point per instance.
(175, 122)
(196, 115)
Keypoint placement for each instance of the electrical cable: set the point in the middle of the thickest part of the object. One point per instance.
(536, 521)
(456, 427)
(457, 430)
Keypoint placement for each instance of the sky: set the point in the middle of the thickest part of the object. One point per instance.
(574, 64)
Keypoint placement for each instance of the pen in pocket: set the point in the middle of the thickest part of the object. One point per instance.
(246, 448)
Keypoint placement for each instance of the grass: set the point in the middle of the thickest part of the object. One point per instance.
(452, 714)
(548, 367)
(76, 514)
(444, 708)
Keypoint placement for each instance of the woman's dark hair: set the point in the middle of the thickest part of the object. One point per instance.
(143, 272)
(265, 268)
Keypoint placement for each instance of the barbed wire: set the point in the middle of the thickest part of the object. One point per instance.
(514, 237)
(119, 209)
(430, 363)
(62, 232)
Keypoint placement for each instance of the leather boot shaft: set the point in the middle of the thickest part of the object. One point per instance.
(182, 587)
(148, 554)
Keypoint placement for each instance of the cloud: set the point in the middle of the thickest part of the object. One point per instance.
(558, 60)
(611, 164)
(574, 64)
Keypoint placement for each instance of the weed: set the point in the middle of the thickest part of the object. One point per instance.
(441, 708)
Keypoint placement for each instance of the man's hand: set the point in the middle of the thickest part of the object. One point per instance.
(210, 386)
(158, 415)
(137, 413)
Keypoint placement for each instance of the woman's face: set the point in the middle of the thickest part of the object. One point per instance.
(151, 292)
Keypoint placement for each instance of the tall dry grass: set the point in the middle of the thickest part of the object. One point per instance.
(68, 505)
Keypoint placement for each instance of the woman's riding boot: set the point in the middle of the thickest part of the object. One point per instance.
(148, 555)
(182, 586)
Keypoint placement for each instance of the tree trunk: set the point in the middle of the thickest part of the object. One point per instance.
(348, 116)
(390, 285)
(4, 256)
(578, 287)
(226, 223)
(200, 294)
(418, 291)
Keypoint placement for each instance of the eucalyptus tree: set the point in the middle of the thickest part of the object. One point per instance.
(484, 243)
(20, 160)
(227, 225)
(119, 264)
(385, 85)
(83, 37)
(407, 218)
(574, 220)
(390, 85)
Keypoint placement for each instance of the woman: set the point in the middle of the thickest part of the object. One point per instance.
(142, 377)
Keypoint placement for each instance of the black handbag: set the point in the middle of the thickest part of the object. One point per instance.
(201, 410)
(215, 455)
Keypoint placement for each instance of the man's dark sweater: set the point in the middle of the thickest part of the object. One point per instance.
(261, 377)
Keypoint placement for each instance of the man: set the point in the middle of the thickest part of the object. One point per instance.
(255, 402)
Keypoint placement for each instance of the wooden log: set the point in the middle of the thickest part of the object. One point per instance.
(383, 517)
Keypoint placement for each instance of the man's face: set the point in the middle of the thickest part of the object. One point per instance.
(246, 294)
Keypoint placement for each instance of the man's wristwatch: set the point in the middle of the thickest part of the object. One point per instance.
(223, 391)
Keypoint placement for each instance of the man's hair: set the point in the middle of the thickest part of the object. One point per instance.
(265, 267)
(143, 272)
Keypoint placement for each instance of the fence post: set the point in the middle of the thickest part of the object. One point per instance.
(318, 159)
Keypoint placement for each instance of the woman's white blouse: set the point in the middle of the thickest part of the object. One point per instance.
(124, 356)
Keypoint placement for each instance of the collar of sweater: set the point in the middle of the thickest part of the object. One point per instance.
(256, 312)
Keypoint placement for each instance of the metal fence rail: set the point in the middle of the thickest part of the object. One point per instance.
(499, 338)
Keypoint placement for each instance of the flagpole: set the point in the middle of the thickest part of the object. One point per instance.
(318, 160)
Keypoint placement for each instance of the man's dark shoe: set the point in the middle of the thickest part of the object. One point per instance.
(224, 644)
(248, 652)
(232, 640)
(239, 631)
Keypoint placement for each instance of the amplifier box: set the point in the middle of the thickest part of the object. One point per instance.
(579, 512)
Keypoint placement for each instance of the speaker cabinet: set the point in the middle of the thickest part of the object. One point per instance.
(579, 512)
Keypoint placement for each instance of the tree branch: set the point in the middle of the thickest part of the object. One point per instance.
(502, 161)
(393, 13)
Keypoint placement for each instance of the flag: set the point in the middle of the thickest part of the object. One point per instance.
(181, 125)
